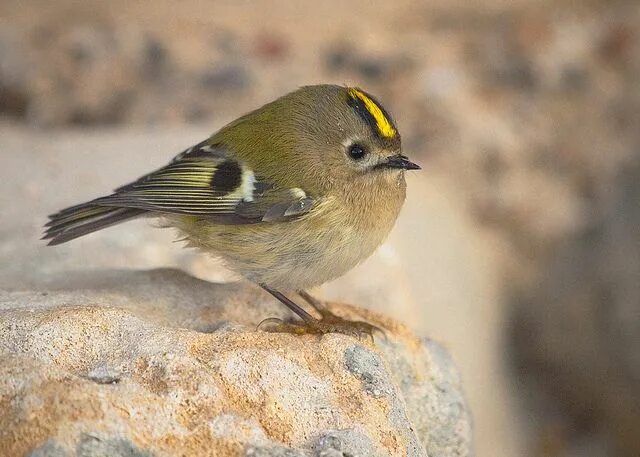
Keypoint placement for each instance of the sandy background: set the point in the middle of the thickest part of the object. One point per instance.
(519, 245)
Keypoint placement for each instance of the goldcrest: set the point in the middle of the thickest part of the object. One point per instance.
(291, 195)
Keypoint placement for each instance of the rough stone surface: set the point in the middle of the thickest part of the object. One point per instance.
(141, 363)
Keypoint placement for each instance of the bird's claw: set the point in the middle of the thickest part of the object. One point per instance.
(329, 323)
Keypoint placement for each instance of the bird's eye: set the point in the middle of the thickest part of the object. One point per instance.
(357, 152)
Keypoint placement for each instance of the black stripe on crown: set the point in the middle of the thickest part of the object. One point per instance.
(360, 107)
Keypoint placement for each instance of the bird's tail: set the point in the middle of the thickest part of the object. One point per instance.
(79, 220)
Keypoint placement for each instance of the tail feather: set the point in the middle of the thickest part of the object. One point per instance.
(79, 220)
(66, 219)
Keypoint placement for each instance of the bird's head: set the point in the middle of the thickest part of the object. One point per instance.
(324, 138)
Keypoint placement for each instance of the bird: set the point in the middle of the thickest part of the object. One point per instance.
(290, 196)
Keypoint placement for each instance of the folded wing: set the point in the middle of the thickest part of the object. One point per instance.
(204, 181)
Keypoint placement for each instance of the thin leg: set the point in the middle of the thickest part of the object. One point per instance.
(317, 304)
(305, 316)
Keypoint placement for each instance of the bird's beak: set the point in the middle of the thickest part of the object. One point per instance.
(400, 161)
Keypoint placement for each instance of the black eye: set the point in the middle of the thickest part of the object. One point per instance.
(357, 152)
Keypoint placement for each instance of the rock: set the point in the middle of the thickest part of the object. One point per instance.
(141, 363)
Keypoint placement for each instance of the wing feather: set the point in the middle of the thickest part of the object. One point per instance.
(208, 182)
(205, 181)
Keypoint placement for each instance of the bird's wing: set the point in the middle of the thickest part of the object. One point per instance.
(208, 182)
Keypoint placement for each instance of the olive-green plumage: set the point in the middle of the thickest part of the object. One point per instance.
(291, 195)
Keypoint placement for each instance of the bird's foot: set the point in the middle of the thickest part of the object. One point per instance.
(328, 323)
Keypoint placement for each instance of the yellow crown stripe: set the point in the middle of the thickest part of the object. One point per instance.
(385, 127)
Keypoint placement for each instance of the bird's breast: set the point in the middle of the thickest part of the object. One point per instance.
(336, 235)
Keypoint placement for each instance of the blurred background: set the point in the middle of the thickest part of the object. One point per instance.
(519, 246)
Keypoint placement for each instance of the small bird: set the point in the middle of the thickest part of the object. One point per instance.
(290, 196)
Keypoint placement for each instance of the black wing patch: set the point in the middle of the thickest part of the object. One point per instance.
(227, 177)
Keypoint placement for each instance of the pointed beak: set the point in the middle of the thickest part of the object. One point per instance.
(401, 162)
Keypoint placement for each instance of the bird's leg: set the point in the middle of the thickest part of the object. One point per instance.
(328, 323)
(317, 304)
(305, 316)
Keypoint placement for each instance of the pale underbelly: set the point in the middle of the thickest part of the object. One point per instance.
(289, 256)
